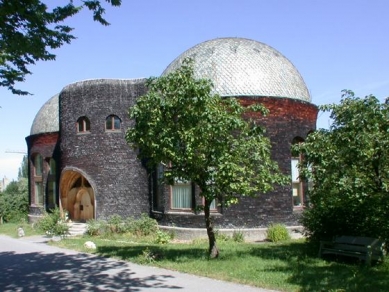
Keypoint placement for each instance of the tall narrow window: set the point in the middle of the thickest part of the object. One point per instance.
(38, 185)
(52, 184)
(112, 123)
(83, 125)
(297, 184)
(181, 195)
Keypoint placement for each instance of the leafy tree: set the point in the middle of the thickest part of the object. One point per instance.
(200, 137)
(29, 30)
(23, 169)
(14, 201)
(348, 166)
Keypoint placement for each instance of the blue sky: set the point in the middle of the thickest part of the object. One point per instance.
(334, 44)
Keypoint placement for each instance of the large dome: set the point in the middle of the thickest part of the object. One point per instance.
(46, 120)
(243, 67)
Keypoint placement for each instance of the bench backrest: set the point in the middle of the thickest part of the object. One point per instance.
(355, 240)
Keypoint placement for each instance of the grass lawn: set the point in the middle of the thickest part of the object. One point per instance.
(11, 229)
(289, 266)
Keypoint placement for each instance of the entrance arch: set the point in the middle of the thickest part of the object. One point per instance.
(77, 196)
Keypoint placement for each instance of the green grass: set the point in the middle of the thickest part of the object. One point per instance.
(290, 266)
(11, 229)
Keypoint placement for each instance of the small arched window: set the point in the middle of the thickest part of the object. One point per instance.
(113, 123)
(83, 125)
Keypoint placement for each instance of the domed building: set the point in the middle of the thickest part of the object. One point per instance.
(80, 161)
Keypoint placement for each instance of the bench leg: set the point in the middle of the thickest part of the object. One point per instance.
(368, 258)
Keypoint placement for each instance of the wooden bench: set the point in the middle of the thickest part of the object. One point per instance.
(363, 248)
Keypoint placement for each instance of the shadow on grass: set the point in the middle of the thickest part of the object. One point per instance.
(297, 260)
(331, 274)
(141, 252)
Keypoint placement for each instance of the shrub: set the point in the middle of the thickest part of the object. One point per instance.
(143, 226)
(96, 227)
(52, 224)
(221, 236)
(238, 236)
(162, 237)
(14, 202)
(116, 224)
(277, 232)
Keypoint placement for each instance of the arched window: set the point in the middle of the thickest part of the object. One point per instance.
(38, 185)
(297, 183)
(112, 123)
(83, 125)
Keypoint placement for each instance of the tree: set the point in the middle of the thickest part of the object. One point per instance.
(200, 137)
(23, 169)
(14, 201)
(29, 30)
(348, 167)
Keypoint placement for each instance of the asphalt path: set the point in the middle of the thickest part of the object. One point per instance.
(30, 264)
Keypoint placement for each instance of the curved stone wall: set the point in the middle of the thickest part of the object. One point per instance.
(120, 180)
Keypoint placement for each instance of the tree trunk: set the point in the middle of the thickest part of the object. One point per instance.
(213, 251)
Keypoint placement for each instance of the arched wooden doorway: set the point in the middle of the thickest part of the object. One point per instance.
(77, 196)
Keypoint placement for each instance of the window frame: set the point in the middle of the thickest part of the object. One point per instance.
(38, 164)
(114, 120)
(296, 183)
(180, 183)
(52, 186)
(83, 125)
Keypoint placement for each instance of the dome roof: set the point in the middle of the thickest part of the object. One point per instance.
(243, 67)
(46, 120)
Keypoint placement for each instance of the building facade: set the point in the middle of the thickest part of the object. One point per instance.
(79, 159)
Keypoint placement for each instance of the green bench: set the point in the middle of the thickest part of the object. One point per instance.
(363, 248)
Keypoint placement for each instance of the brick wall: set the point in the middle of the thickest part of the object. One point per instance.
(287, 119)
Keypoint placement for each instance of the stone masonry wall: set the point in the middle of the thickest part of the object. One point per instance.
(120, 180)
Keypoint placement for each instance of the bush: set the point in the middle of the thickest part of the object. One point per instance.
(162, 237)
(52, 224)
(238, 236)
(116, 224)
(14, 202)
(96, 227)
(277, 232)
(143, 226)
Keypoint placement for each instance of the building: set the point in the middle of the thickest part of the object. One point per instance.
(80, 161)
(4, 183)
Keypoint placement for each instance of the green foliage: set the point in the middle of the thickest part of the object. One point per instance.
(162, 237)
(14, 201)
(277, 233)
(28, 30)
(52, 224)
(143, 226)
(116, 224)
(23, 169)
(348, 167)
(238, 236)
(96, 227)
(200, 137)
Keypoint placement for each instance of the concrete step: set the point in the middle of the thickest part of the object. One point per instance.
(76, 229)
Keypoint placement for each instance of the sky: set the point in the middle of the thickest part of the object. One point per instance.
(334, 45)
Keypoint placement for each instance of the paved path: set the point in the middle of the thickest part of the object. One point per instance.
(29, 264)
